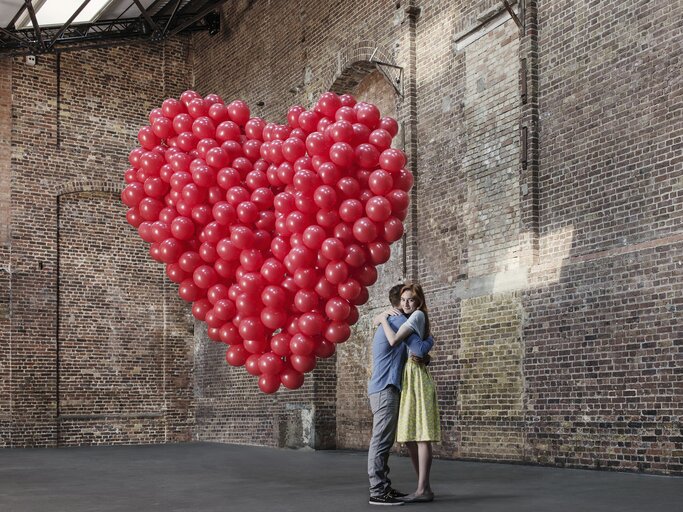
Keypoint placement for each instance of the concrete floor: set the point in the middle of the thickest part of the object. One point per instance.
(204, 477)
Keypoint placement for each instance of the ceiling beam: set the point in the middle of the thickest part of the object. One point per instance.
(148, 18)
(67, 24)
(206, 10)
(36, 27)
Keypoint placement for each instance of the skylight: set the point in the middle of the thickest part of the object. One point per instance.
(57, 12)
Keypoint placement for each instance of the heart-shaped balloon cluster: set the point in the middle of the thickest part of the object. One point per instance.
(273, 232)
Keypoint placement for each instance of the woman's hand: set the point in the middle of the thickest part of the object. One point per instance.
(384, 314)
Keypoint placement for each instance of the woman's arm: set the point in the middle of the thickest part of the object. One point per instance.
(395, 337)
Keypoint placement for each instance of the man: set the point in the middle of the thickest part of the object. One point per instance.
(384, 391)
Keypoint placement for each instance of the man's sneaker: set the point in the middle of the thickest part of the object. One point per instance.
(396, 494)
(384, 499)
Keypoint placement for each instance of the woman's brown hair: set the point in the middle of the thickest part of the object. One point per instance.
(419, 294)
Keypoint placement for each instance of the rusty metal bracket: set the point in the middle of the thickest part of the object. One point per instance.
(513, 15)
(396, 81)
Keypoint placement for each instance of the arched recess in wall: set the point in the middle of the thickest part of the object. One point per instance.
(110, 323)
(360, 77)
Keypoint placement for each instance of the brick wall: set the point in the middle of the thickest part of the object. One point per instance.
(76, 323)
(555, 285)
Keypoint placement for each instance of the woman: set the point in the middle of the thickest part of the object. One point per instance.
(418, 421)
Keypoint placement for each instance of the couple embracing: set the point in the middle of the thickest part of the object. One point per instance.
(402, 395)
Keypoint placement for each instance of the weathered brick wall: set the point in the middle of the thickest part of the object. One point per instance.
(273, 56)
(603, 333)
(5, 168)
(493, 241)
(555, 286)
(79, 343)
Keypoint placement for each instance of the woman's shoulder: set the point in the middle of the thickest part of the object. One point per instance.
(418, 314)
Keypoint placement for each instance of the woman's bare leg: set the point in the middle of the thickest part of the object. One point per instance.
(424, 450)
(412, 450)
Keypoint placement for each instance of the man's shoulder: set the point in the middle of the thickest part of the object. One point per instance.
(397, 321)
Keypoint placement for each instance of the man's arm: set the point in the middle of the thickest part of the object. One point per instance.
(418, 346)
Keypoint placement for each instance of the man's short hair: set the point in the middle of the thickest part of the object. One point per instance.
(395, 295)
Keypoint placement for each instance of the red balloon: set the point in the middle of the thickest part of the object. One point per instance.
(293, 115)
(362, 297)
(336, 272)
(367, 156)
(236, 355)
(224, 309)
(274, 297)
(366, 275)
(311, 323)
(291, 379)
(337, 309)
(256, 346)
(189, 291)
(303, 364)
(390, 125)
(248, 305)
(270, 364)
(306, 278)
(293, 149)
(175, 273)
(224, 213)
(342, 154)
(252, 366)
(327, 219)
(338, 332)
(324, 349)
(238, 112)
(133, 217)
(349, 187)
(328, 104)
(251, 328)
(333, 249)
(313, 237)
(364, 230)
(171, 107)
(217, 292)
(170, 250)
(379, 208)
(380, 138)
(380, 182)
(133, 194)
(269, 384)
(279, 344)
(302, 345)
(229, 334)
(200, 308)
(325, 289)
(308, 121)
(305, 300)
(346, 113)
(317, 145)
(351, 210)
(392, 160)
(273, 271)
(380, 252)
(341, 131)
(253, 128)
(147, 138)
(273, 318)
(189, 261)
(242, 237)
(399, 200)
(349, 289)
(393, 230)
(205, 276)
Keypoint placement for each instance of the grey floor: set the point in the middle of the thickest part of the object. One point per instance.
(205, 477)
